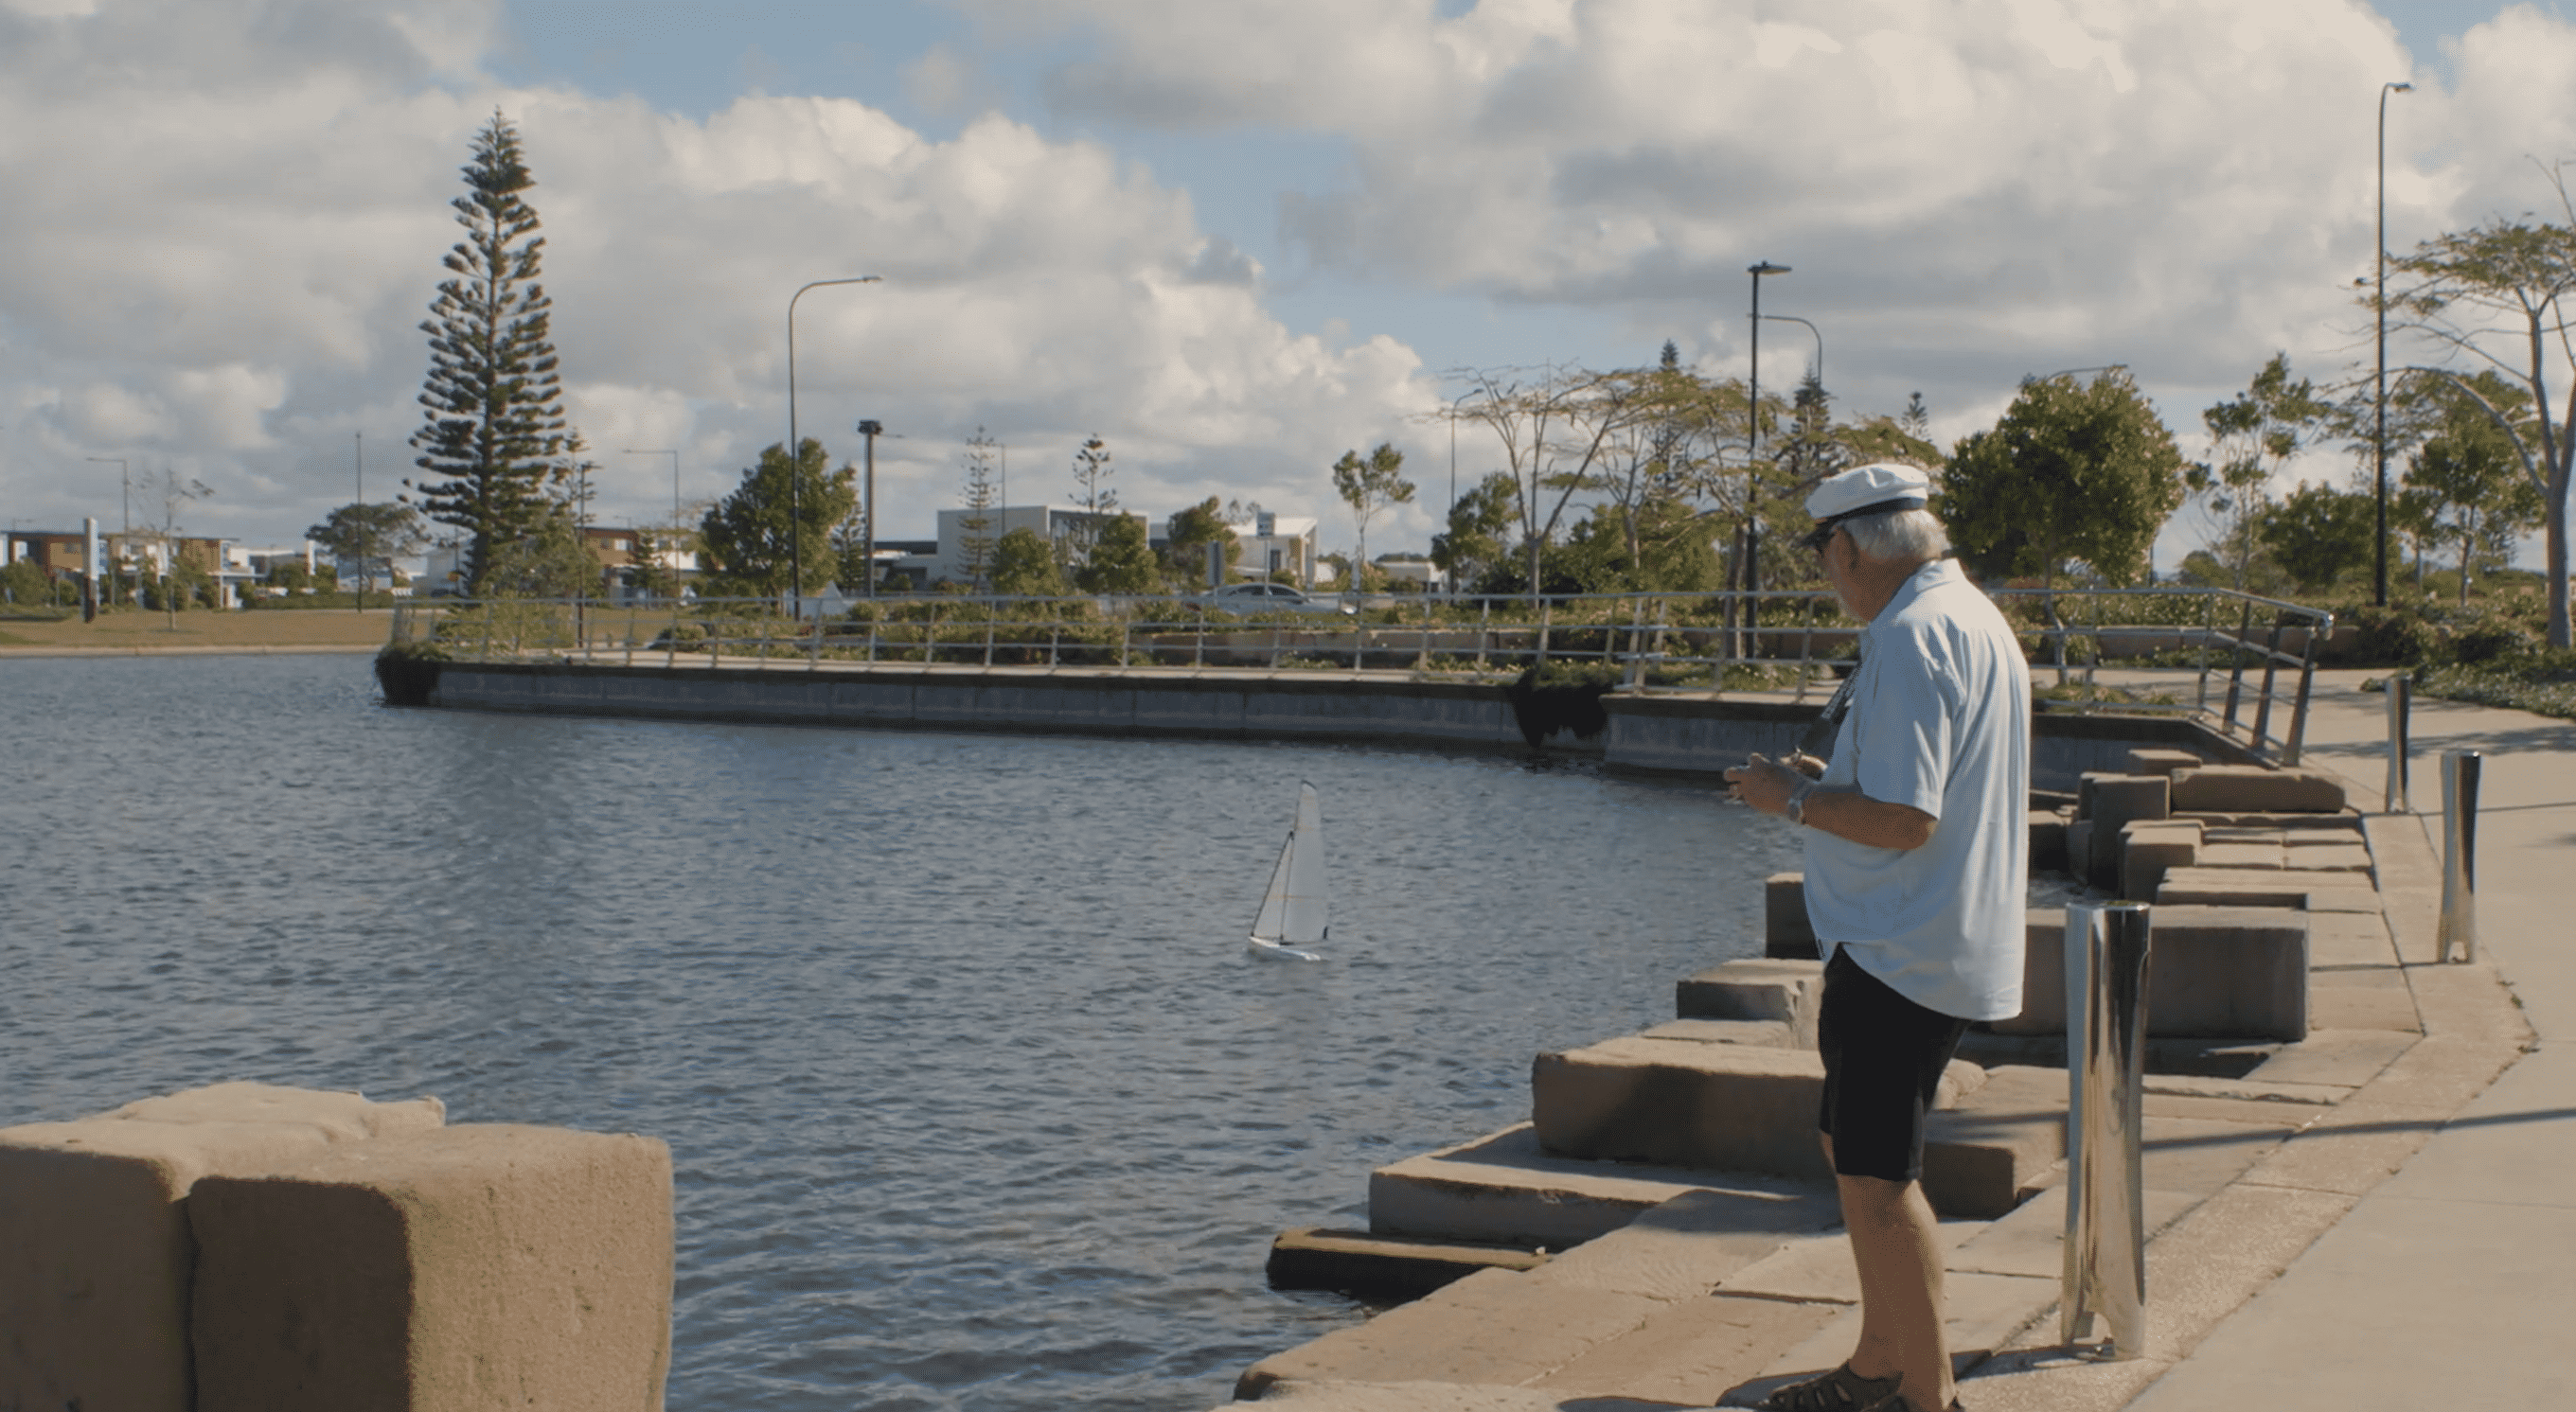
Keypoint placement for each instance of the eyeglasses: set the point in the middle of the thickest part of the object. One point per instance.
(1822, 535)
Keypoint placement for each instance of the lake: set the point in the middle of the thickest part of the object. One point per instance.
(974, 1097)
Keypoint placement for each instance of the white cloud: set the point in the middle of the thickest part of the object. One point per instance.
(228, 218)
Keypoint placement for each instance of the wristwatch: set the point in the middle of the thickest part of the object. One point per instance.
(1797, 807)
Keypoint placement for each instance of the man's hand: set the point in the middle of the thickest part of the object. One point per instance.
(1766, 783)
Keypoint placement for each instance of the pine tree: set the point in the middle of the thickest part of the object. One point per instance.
(1092, 491)
(975, 529)
(495, 424)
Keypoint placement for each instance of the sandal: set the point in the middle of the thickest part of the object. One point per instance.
(1841, 1390)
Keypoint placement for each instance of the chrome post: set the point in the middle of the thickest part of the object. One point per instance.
(2401, 690)
(2459, 923)
(2106, 1237)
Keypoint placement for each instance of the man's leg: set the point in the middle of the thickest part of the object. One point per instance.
(1895, 1245)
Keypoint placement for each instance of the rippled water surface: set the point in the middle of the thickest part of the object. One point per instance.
(975, 1099)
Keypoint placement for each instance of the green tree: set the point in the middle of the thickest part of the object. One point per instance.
(2496, 295)
(1024, 564)
(2316, 533)
(549, 560)
(494, 422)
(1475, 542)
(2072, 474)
(26, 585)
(1187, 536)
(370, 536)
(1368, 486)
(751, 538)
(1122, 559)
(2469, 479)
(2254, 433)
(651, 575)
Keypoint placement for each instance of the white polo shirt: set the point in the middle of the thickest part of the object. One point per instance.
(1939, 720)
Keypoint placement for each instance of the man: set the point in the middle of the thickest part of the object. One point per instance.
(1916, 861)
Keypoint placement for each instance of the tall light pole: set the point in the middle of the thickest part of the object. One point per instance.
(675, 475)
(871, 429)
(1753, 436)
(2379, 306)
(795, 522)
(125, 481)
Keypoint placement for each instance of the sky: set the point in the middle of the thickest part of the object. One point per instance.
(1233, 238)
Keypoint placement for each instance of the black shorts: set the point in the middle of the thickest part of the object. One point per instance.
(1884, 1056)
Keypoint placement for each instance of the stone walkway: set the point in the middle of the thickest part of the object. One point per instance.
(2364, 1203)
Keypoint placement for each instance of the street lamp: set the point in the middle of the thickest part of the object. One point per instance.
(795, 524)
(1753, 435)
(871, 429)
(675, 474)
(126, 480)
(1811, 328)
(2379, 306)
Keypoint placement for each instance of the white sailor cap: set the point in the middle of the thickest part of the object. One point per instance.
(1873, 489)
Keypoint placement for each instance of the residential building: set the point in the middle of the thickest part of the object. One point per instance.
(1273, 544)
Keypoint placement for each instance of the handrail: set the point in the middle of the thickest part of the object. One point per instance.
(1778, 642)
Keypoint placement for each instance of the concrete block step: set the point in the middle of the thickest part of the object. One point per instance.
(1387, 1267)
(2312, 889)
(1784, 991)
(1505, 1189)
(2216, 971)
(1737, 1108)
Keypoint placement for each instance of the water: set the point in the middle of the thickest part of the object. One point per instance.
(974, 1097)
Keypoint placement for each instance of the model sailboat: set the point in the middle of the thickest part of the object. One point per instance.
(1294, 912)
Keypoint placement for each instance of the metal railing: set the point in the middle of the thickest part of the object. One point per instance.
(1786, 643)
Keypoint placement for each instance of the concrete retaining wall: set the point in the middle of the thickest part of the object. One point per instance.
(1664, 734)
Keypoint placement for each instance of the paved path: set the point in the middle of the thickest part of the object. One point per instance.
(2453, 1283)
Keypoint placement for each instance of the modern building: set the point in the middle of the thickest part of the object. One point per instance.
(1272, 544)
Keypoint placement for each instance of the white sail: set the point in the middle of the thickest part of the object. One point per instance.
(1294, 911)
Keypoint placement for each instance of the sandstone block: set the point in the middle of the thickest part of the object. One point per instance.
(479, 1266)
(1786, 933)
(1783, 991)
(2242, 789)
(2149, 847)
(2221, 853)
(2079, 849)
(2262, 887)
(2146, 761)
(96, 1255)
(1504, 1189)
(2212, 972)
(1702, 1107)
(1771, 1033)
(2112, 802)
(1984, 1156)
(2047, 841)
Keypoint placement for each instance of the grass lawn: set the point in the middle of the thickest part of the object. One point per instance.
(203, 629)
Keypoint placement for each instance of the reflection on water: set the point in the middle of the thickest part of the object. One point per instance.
(975, 1098)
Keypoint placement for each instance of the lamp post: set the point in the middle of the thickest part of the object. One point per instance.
(1811, 328)
(795, 522)
(1753, 436)
(2379, 307)
(871, 429)
(125, 480)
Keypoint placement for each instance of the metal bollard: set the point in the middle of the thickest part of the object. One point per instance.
(2106, 1031)
(2459, 923)
(2401, 691)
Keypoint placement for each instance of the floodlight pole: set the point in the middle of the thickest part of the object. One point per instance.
(1753, 435)
(2379, 307)
(795, 524)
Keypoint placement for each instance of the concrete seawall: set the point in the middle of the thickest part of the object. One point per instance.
(1667, 732)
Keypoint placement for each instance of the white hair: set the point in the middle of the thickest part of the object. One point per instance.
(1899, 534)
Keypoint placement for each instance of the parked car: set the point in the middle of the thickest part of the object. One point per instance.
(1265, 597)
